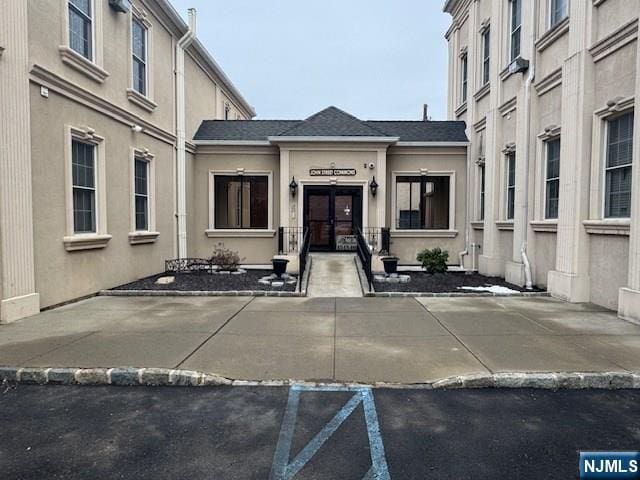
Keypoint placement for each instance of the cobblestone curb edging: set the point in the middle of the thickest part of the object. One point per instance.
(187, 378)
(455, 294)
(198, 293)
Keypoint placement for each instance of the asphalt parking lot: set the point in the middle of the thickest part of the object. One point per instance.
(258, 433)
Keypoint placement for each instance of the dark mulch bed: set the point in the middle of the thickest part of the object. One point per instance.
(205, 282)
(445, 283)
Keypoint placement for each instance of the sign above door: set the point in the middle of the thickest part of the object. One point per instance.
(332, 172)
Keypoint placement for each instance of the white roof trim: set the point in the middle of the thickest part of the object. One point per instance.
(345, 139)
(433, 144)
(256, 143)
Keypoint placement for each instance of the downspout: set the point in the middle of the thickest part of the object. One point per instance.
(527, 154)
(181, 122)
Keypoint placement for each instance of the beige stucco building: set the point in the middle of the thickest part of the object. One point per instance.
(94, 143)
(548, 90)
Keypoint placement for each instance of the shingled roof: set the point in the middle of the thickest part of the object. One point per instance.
(331, 122)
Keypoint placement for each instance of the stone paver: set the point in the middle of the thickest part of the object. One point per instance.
(402, 340)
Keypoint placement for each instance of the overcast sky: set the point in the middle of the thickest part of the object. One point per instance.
(377, 59)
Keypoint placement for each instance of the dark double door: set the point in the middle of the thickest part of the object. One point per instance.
(332, 215)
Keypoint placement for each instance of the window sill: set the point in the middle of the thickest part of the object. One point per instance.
(553, 34)
(138, 238)
(424, 233)
(240, 233)
(550, 226)
(483, 92)
(81, 64)
(608, 227)
(141, 100)
(86, 242)
(478, 225)
(461, 109)
(505, 225)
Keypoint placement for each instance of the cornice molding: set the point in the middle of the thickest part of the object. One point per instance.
(548, 83)
(553, 34)
(614, 41)
(509, 106)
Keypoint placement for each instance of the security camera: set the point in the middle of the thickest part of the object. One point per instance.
(372, 166)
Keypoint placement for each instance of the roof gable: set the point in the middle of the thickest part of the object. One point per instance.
(332, 122)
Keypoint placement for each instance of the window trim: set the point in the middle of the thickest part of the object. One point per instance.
(606, 168)
(212, 231)
(464, 78)
(150, 235)
(447, 233)
(614, 108)
(511, 31)
(146, 100)
(485, 66)
(546, 179)
(98, 239)
(482, 191)
(94, 68)
(507, 187)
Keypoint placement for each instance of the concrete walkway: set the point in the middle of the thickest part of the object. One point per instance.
(333, 274)
(401, 340)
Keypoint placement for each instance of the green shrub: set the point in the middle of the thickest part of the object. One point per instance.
(225, 259)
(434, 260)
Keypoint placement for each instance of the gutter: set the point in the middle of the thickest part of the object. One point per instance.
(181, 142)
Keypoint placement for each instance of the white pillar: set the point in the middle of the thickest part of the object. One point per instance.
(284, 188)
(570, 279)
(17, 269)
(629, 297)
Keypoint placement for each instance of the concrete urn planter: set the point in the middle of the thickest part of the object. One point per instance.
(279, 266)
(390, 265)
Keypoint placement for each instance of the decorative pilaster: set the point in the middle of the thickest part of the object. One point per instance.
(381, 196)
(629, 298)
(284, 188)
(17, 277)
(570, 279)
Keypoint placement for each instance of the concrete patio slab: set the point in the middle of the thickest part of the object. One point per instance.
(334, 275)
(402, 359)
(272, 304)
(460, 304)
(490, 323)
(162, 350)
(535, 353)
(622, 350)
(111, 303)
(546, 304)
(584, 323)
(173, 321)
(200, 303)
(311, 324)
(265, 357)
(19, 353)
(399, 324)
(377, 305)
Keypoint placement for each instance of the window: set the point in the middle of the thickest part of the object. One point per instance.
(515, 28)
(511, 185)
(241, 202)
(465, 77)
(227, 111)
(552, 180)
(139, 56)
(618, 167)
(141, 193)
(482, 190)
(486, 56)
(83, 171)
(558, 11)
(422, 202)
(81, 27)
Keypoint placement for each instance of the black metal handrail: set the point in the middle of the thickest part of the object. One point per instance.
(366, 255)
(302, 256)
(379, 239)
(289, 239)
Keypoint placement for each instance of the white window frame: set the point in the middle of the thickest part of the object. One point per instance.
(507, 187)
(485, 67)
(213, 232)
(145, 101)
(150, 235)
(93, 68)
(98, 239)
(464, 78)
(546, 178)
(511, 31)
(540, 223)
(482, 191)
(551, 9)
(606, 168)
(597, 222)
(451, 231)
(227, 111)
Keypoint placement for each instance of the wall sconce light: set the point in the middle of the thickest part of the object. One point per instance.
(373, 186)
(293, 186)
